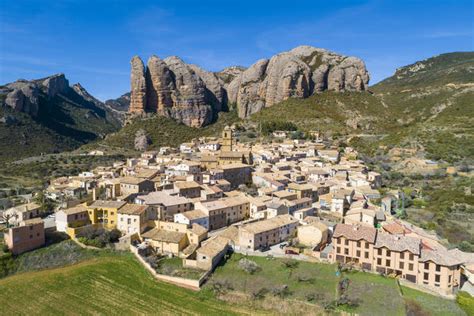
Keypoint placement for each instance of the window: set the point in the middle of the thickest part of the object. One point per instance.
(379, 261)
(358, 244)
(402, 255)
(346, 251)
(379, 251)
(412, 257)
(358, 253)
(339, 241)
(449, 279)
(427, 265)
(346, 242)
(366, 245)
(410, 266)
(366, 255)
(437, 278)
(387, 263)
(402, 265)
(438, 268)
(426, 276)
(388, 252)
(338, 249)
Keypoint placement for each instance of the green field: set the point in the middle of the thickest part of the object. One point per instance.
(109, 285)
(316, 283)
(430, 304)
(112, 283)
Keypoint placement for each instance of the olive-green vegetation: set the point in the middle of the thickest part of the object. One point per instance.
(111, 284)
(64, 122)
(55, 255)
(420, 303)
(330, 112)
(34, 172)
(164, 131)
(310, 282)
(444, 204)
(262, 278)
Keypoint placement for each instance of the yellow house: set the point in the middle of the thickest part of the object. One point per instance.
(104, 212)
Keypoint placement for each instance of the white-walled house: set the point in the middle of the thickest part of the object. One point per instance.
(192, 217)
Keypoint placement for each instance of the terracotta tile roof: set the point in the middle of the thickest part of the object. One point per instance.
(355, 232)
(395, 229)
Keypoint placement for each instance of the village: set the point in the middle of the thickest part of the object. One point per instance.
(290, 198)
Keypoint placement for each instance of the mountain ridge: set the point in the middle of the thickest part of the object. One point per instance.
(194, 96)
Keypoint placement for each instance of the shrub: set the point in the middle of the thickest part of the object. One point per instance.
(248, 266)
(281, 291)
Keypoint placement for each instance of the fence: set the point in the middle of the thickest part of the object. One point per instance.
(182, 282)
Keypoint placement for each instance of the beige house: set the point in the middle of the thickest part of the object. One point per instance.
(23, 212)
(188, 189)
(133, 218)
(173, 238)
(72, 217)
(211, 253)
(236, 174)
(265, 233)
(402, 256)
(131, 185)
(166, 205)
(225, 211)
(27, 236)
(166, 241)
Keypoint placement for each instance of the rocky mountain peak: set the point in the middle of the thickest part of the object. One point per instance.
(193, 95)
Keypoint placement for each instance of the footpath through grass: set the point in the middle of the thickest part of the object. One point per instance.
(108, 285)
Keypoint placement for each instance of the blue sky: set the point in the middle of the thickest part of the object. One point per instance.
(92, 41)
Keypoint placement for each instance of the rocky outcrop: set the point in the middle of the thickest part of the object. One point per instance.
(215, 94)
(298, 73)
(244, 90)
(23, 96)
(54, 85)
(138, 85)
(175, 89)
(228, 74)
(193, 96)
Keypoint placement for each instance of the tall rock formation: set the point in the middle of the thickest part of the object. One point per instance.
(298, 73)
(194, 96)
(138, 85)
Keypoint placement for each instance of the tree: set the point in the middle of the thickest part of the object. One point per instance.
(45, 203)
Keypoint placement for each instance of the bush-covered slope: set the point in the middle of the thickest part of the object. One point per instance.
(64, 122)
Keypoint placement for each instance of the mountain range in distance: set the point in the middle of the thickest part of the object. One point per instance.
(421, 104)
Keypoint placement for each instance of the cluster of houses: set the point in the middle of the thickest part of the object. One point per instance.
(200, 200)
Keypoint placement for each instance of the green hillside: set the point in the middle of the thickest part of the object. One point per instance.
(64, 122)
(108, 285)
(432, 101)
(164, 131)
